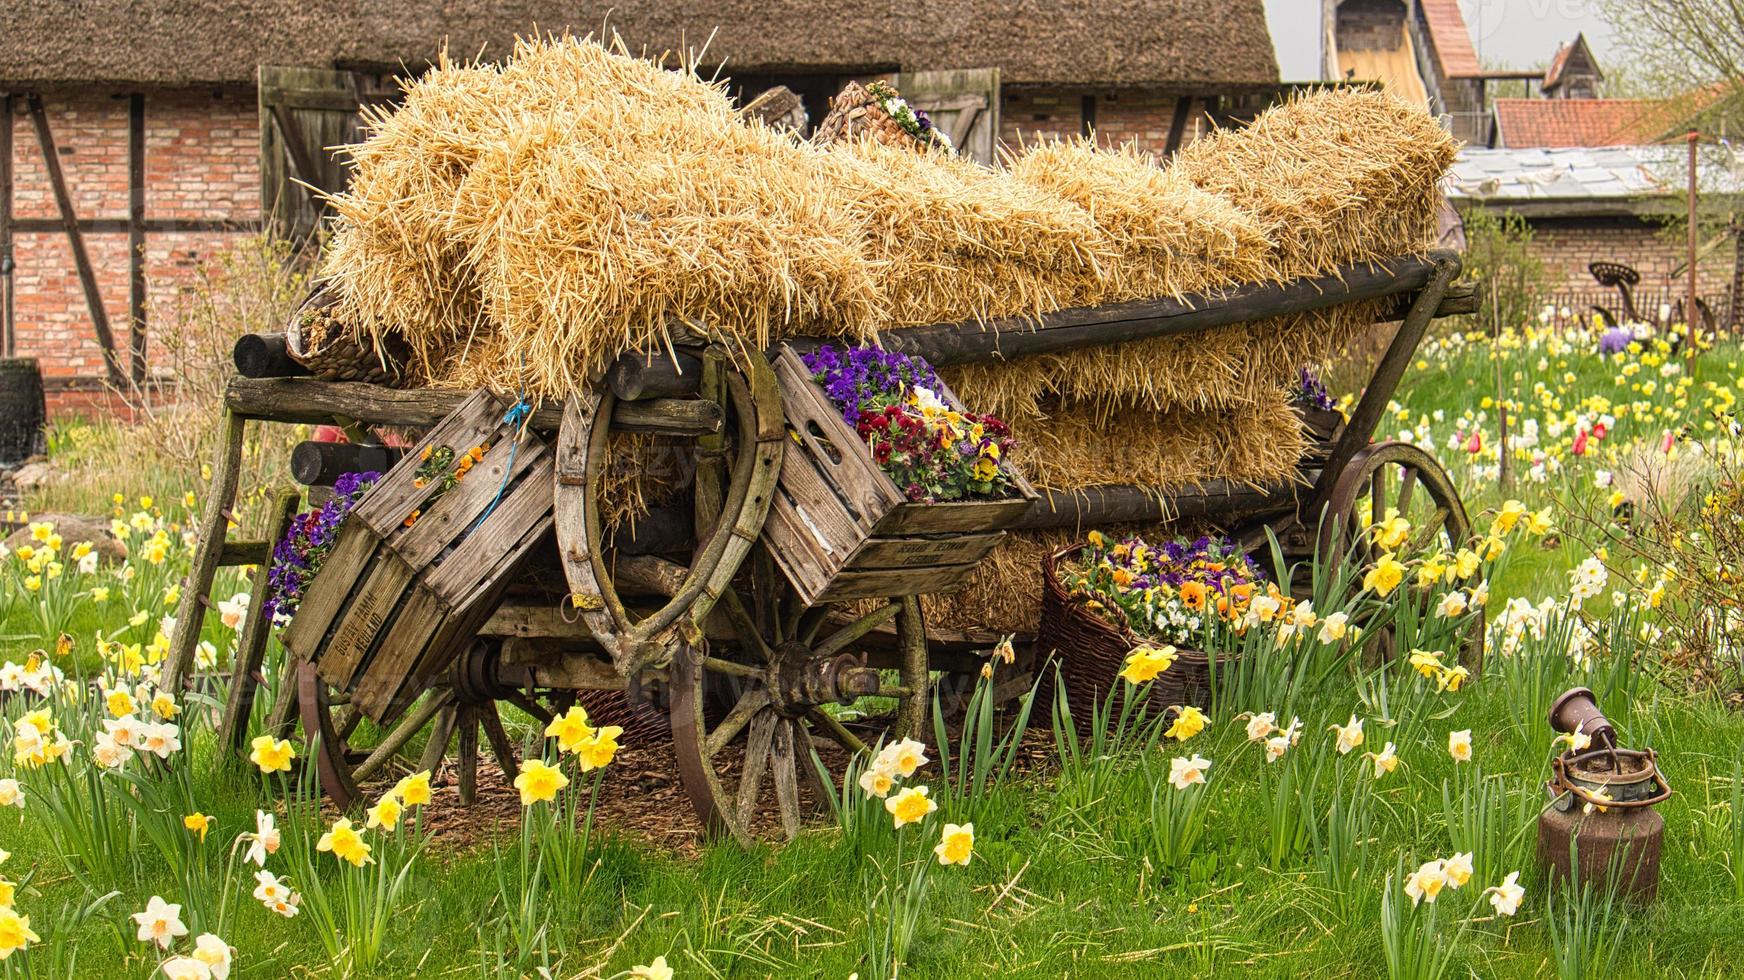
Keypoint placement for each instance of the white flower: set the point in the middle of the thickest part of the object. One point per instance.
(11, 676)
(264, 840)
(109, 753)
(215, 953)
(1459, 745)
(1385, 761)
(906, 756)
(186, 968)
(1451, 605)
(160, 739)
(1334, 627)
(234, 610)
(1302, 615)
(160, 923)
(1458, 869)
(1261, 725)
(1505, 897)
(125, 731)
(11, 794)
(1425, 884)
(206, 655)
(1185, 772)
(88, 564)
(270, 889)
(1350, 735)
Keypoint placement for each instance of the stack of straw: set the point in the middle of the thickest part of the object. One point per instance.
(523, 224)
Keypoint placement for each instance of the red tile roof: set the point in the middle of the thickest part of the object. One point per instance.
(1579, 122)
(1450, 38)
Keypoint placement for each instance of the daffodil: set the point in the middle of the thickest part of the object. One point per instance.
(598, 751)
(1384, 576)
(198, 823)
(160, 923)
(956, 844)
(272, 755)
(385, 814)
(1451, 605)
(1425, 884)
(1391, 533)
(1184, 772)
(215, 953)
(1146, 662)
(414, 790)
(1459, 745)
(11, 794)
(570, 729)
(1350, 735)
(1385, 761)
(270, 888)
(1577, 740)
(1334, 627)
(656, 970)
(1189, 721)
(903, 757)
(15, 932)
(1505, 898)
(1458, 869)
(185, 968)
(909, 806)
(539, 782)
(264, 841)
(345, 843)
(876, 781)
(1261, 725)
(1425, 662)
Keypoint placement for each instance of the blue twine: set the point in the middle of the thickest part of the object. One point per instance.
(515, 417)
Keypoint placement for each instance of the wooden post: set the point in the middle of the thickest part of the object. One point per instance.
(208, 548)
(8, 332)
(136, 236)
(1178, 125)
(256, 633)
(70, 222)
(1691, 314)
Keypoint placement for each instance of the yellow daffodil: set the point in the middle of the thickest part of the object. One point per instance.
(1507, 517)
(1385, 576)
(15, 932)
(956, 844)
(120, 703)
(539, 782)
(1392, 532)
(1458, 869)
(1426, 662)
(385, 814)
(1146, 662)
(414, 790)
(909, 806)
(598, 751)
(1385, 761)
(345, 843)
(1189, 721)
(1425, 884)
(1350, 735)
(570, 729)
(272, 755)
(198, 823)
(656, 970)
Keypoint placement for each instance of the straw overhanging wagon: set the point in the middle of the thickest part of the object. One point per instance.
(697, 609)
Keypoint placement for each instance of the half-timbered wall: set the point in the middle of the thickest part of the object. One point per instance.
(202, 151)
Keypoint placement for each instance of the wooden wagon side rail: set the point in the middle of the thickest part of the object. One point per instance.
(319, 402)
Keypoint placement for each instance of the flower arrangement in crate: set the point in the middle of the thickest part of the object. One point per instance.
(933, 450)
(306, 543)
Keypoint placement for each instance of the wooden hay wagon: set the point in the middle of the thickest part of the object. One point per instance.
(786, 581)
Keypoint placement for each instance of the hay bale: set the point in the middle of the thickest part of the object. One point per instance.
(1334, 177)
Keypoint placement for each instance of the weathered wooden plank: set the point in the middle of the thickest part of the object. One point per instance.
(135, 235)
(326, 596)
(655, 374)
(896, 582)
(956, 549)
(306, 400)
(385, 508)
(1114, 323)
(1096, 506)
(7, 224)
(956, 516)
(374, 607)
(379, 680)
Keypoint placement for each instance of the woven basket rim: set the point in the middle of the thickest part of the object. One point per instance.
(320, 298)
(1120, 634)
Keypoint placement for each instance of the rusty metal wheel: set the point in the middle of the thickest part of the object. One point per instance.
(748, 716)
(462, 710)
(1397, 476)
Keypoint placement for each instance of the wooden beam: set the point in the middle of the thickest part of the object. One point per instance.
(136, 235)
(1178, 125)
(318, 402)
(7, 341)
(69, 222)
(1116, 323)
(1119, 504)
(302, 160)
(152, 226)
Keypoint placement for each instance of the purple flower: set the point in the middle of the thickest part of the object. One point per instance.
(299, 555)
(1615, 340)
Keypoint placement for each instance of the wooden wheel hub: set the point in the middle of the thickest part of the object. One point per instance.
(799, 680)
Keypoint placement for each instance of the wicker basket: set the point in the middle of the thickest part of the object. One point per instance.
(855, 112)
(1091, 651)
(332, 352)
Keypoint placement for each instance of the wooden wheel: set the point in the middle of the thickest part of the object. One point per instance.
(1389, 476)
(461, 711)
(747, 716)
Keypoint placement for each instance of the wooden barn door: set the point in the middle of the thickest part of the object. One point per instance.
(964, 104)
(305, 113)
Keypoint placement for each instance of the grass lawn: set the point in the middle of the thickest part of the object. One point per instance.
(1092, 868)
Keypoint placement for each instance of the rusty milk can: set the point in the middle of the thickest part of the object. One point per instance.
(1602, 801)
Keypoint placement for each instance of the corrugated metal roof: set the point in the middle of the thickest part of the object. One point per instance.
(1587, 173)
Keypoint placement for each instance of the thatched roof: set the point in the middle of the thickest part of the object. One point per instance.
(1189, 45)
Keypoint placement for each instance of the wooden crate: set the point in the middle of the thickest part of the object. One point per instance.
(395, 604)
(841, 529)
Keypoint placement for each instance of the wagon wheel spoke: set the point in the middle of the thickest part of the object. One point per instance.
(745, 627)
(501, 748)
(786, 777)
(735, 722)
(1377, 497)
(1407, 486)
(466, 754)
(437, 745)
(757, 761)
(855, 630)
(834, 728)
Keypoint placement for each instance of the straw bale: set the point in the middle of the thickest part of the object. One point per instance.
(1172, 238)
(1334, 177)
(957, 241)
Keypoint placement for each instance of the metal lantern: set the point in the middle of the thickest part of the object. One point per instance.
(1601, 814)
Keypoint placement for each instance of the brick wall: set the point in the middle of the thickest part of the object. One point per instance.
(1030, 114)
(1567, 245)
(201, 162)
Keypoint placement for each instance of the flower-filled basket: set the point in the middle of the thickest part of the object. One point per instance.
(1103, 601)
(423, 557)
(841, 526)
